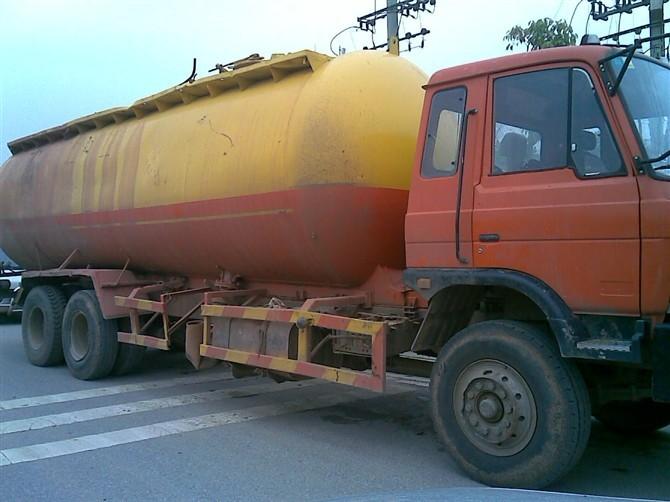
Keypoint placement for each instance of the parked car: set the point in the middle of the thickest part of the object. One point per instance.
(9, 288)
(10, 283)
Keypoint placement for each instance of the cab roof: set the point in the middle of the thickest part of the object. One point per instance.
(590, 54)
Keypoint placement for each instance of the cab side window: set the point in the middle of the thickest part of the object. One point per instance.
(592, 145)
(552, 119)
(441, 150)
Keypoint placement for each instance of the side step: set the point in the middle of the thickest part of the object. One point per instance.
(612, 350)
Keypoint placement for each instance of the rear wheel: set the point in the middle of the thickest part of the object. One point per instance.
(509, 408)
(636, 417)
(41, 324)
(128, 359)
(90, 341)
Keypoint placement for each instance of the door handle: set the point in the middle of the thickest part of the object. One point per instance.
(489, 237)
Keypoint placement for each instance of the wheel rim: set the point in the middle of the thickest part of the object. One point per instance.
(494, 407)
(36, 328)
(79, 337)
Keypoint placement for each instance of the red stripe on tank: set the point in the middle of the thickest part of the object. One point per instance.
(323, 234)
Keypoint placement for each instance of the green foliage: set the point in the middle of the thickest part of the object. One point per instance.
(541, 34)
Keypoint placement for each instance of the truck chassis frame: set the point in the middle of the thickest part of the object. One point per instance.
(204, 304)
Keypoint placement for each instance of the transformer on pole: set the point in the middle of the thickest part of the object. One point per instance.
(657, 36)
(393, 12)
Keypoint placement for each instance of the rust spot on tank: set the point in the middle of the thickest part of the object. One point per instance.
(89, 185)
(87, 145)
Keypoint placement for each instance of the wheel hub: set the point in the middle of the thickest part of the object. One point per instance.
(36, 336)
(79, 339)
(494, 407)
(490, 408)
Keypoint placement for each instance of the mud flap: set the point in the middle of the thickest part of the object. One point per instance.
(193, 341)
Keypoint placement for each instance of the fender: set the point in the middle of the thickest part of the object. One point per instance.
(566, 327)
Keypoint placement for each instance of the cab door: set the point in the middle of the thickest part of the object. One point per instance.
(438, 223)
(556, 199)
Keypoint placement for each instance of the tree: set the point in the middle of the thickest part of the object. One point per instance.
(541, 34)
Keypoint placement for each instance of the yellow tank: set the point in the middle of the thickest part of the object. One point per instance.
(293, 169)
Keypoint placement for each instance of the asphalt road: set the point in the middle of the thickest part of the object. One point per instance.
(174, 434)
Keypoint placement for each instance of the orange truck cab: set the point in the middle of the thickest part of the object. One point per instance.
(546, 186)
(541, 194)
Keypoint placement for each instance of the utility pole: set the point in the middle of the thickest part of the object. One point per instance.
(600, 11)
(656, 29)
(392, 26)
(394, 11)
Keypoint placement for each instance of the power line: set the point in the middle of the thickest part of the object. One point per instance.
(560, 6)
(337, 35)
(603, 12)
(395, 12)
(572, 18)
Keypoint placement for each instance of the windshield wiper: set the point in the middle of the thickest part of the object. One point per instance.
(629, 52)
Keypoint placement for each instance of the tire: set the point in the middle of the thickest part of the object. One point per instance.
(128, 359)
(90, 341)
(510, 410)
(634, 417)
(41, 325)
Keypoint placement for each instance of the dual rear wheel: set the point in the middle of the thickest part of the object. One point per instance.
(55, 328)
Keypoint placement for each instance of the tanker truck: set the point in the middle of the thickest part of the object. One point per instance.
(315, 217)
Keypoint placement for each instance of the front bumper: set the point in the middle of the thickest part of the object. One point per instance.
(661, 363)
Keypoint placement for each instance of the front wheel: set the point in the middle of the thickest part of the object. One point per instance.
(511, 411)
(634, 417)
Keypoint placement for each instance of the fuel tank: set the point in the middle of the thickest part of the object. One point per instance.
(294, 169)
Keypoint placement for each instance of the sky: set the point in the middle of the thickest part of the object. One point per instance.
(61, 59)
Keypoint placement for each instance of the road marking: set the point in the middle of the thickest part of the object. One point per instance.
(28, 402)
(92, 442)
(42, 422)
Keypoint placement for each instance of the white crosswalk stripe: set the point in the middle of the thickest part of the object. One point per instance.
(42, 422)
(334, 396)
(27, 402)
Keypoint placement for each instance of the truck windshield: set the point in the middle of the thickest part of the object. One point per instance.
(645, 90)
